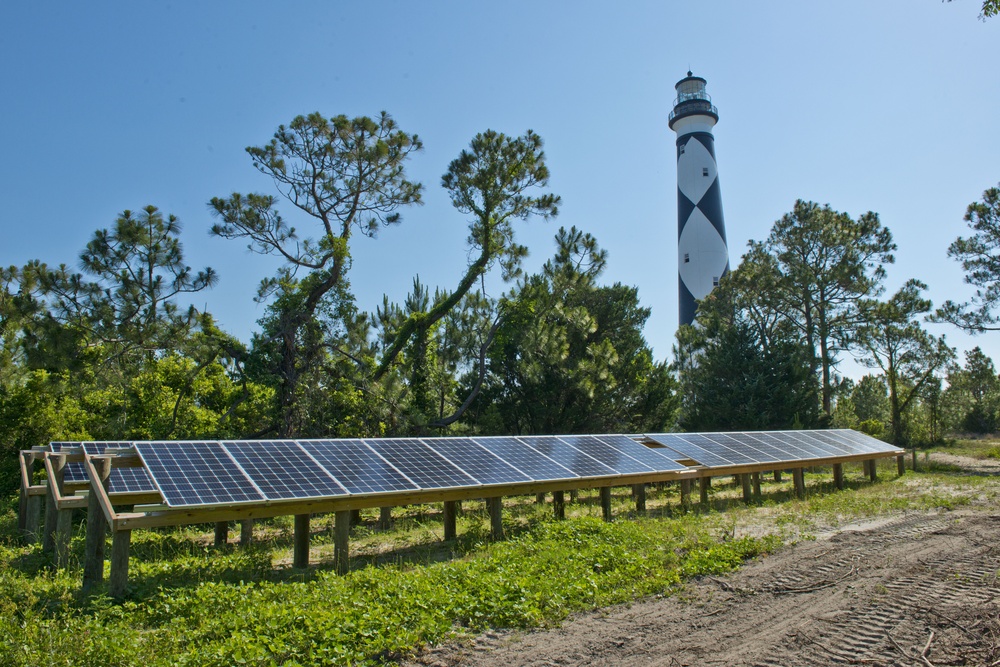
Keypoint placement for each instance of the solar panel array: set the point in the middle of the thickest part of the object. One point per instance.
(122, 480)
(717, 450)
(189, 474)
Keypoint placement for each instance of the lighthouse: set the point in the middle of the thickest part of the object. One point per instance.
(702, 255)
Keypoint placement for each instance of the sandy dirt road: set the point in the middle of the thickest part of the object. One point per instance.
(917, 589)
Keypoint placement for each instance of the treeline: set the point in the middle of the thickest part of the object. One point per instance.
(768, 339)
(106, 348)
(110, 351)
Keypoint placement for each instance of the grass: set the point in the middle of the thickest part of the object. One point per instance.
(194, 604)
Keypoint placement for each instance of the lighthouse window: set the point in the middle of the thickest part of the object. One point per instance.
(682, 150)
(687, 258)
(704, 171)
(715, 281)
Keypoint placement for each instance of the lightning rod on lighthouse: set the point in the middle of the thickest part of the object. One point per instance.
(702, 254)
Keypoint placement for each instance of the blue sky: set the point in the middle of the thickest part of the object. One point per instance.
(888, 106)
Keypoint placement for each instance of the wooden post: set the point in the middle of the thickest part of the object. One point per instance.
(385, 517)
(341, 540)
(755, 480)
(119, 564)
(873, 470)
(51, 511)
(246, 532)
(62, 530)
(606, 502)
(221, 533)
(450, 530)
(745, 481)
(22, 510)
(639, 491)
(97, 528)
(300, 550)
(574, 495)
(900, 465)
(539, 498)
(838, 475)
(495, 506)
(915, 464)
(777, 475)
(704, 484)
(355, 517)
(64, 534)
(33, 519)
(798, 476)
(559, 504)
(685, 493)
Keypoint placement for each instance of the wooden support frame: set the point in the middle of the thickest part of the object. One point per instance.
(246, 532)
(55, 465)
(900, 465)
(777, 476)
(639, 491)
(450, 522)
(559, 504)
(838, 476)
(685, 493)
(385, 517)
(221, 533)
(341, 541)
(704, 484)
(747, 491)
(300, 549)
(798, 477)
(118, 582)
(755, 482)
(606, 503)
(495, 507)
(872, 470)
(97, 528)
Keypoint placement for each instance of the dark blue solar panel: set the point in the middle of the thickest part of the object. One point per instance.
(686, 449)
(810, 447)
(720, 450)
(122, 480)
(359, 469)
(614, 459)
(196, 473)
(650, 457)
(843, 447)
(537, 466)
(417, 461)
(758, 451)
(282, 469)
(567, 456)
(481, 464)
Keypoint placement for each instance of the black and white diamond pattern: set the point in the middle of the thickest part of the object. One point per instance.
(703, 256)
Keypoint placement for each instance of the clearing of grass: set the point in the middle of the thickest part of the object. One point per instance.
(194, 604)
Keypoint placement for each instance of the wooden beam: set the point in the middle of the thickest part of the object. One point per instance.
(639, 491)
(33, 519)
(900, 465)
(450, 529)
(341, 541)
(745, 482)
(606, 503)
(838, 475)
(705, 483)
(495, 507)
(97, 488)
(118, 582)
(300, 550)
(559, 504)
(755, 481)
(246, 532)
(55, 468)
(221, 533)
(798, 476)
(97, 528)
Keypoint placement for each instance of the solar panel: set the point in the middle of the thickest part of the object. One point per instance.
(807, 448)
(281, 470)
(613, 458)
(763, 443)
(687, 449)
(763, 449)
(426, 468)
(567, 456)
(863, 440)
(357, 467)
(483, 465)
(537, 466)
(122, 480)
(196, 473)
(745, 447)
(844, 446)
(650, 457)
